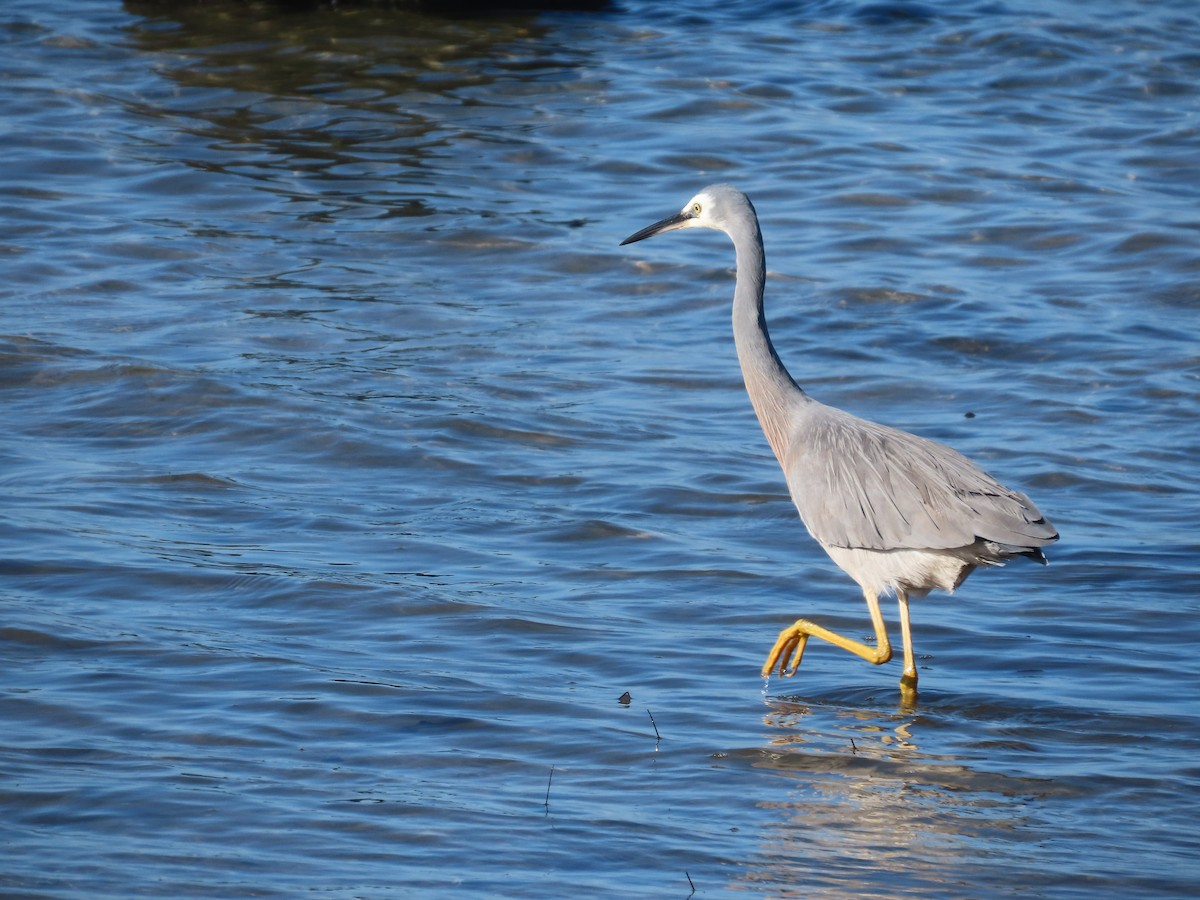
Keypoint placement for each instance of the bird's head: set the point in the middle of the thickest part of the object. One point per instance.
(715, 207)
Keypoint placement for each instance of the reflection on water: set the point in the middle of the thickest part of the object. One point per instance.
(873, 815)
(913, 803)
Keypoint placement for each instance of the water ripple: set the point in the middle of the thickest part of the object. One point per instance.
(355, 473)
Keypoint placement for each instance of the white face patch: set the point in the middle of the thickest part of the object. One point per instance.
(697, 211)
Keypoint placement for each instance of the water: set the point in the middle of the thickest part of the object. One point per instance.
(353, 472)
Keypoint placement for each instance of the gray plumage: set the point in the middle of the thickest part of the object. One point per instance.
(860, 484)
(897, 512)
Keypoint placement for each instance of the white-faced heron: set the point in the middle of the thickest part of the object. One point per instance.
(896, 512)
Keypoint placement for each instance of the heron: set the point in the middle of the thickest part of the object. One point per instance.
(900, 514)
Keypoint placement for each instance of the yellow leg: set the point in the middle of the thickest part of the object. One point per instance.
(789, 648)
(908, 681)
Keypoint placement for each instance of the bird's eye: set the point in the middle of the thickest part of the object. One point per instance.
(696, 208)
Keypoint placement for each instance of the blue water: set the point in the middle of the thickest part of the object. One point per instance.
(353, 472)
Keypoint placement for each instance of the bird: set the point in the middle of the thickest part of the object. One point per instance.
(900, 514)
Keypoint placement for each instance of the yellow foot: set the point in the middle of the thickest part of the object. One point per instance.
(787, 652)
(785, 656)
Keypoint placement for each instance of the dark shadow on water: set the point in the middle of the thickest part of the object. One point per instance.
(457, 8)
(348, 112)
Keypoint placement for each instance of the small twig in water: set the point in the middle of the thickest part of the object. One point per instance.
(853, 748)
(689, 878)
(655, 724)
(548, 780)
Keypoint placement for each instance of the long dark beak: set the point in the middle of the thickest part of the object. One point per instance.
(670, 223)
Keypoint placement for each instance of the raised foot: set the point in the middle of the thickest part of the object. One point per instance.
(789, 648)
(787, 652)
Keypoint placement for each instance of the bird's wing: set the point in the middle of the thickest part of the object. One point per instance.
(860, 484)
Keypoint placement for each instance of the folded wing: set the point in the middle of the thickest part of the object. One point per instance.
(860, 484)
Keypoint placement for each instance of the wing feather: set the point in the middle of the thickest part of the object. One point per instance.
(860, 484)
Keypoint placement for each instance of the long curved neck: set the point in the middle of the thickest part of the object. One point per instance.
(768, 383)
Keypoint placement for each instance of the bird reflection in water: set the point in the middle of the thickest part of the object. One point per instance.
(867, 811)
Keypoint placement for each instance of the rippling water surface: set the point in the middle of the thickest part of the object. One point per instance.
(353, 473)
